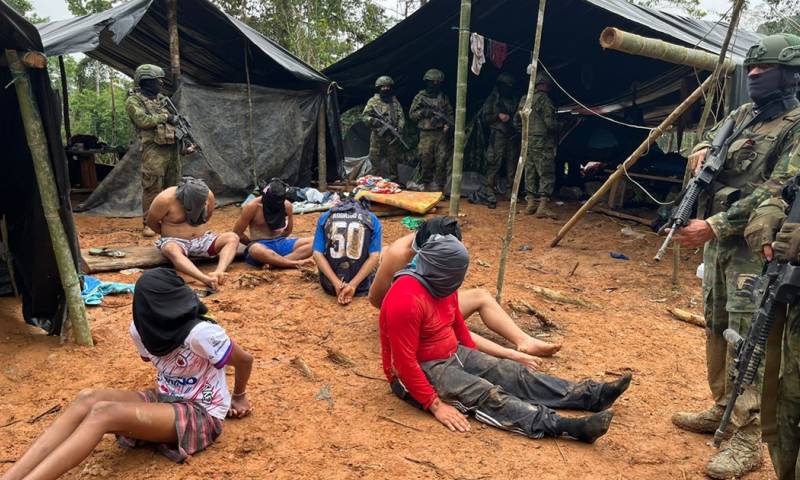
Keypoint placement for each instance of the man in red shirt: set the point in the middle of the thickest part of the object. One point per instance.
(430, 360)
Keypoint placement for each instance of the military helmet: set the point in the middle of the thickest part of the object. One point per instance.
(384, 81)
(505, 79)
(147, 71)
(433, 75)
(778, 49)
(543, 77)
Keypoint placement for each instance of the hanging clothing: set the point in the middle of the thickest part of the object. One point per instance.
(498, 52)
(478, 56)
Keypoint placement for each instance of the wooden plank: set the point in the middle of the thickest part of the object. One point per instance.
(135, 257)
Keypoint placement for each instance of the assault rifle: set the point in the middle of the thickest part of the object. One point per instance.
(715, 159)
(777, 287)
(437, 114)
(388, 127)
(183, 129)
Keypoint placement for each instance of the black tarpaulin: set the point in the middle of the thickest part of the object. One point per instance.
(34, 263)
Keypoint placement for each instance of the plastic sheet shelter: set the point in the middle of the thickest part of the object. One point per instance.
(34, 264)
(216, 52)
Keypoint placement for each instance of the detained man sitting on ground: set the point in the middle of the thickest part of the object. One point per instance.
(271, 219)
(347, 248)
(477, 300)
(178, 215)
(183, 416)
(430, 360)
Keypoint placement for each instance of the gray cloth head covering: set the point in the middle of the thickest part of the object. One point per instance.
(440, 265)
(193, 195)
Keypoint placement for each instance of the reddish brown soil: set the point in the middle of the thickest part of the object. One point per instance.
(292, 435)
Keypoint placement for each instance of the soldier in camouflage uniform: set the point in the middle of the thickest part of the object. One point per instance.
(158, 147)
(384, 148)
(432, 111)
(780, 396)
(498, 112)
(763, 155)
(540, 167)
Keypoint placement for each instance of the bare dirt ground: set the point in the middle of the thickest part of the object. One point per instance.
(291, 434)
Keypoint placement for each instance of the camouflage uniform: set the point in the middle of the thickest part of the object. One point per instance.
(158, 147)
(384, 148)
(540, 169)
(500, 149)
(433, 145)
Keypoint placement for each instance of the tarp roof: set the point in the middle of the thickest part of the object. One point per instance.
(16, 32)
(212, 44)
(570, 47)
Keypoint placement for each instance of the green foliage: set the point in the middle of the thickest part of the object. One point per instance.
(320, 32)
(781, 17)
(85, 7)
(25, 8)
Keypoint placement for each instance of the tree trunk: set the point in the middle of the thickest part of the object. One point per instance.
(525, 114)
(461, 106)
(37, 142)
(64, 97)
(174, 46)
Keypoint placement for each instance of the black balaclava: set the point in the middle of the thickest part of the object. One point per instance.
(436, 226)
(779, 83)
(165, 310)
(433, 88)
(386, 94)
(151, 87)
(272, 204)
(440, 265)
(193, 195)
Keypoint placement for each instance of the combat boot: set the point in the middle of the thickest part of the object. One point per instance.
(706, 421)
(148, 232)
(543, 211)
(533, 202)
(736, 457)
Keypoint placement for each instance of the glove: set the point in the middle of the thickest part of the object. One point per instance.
(787, 243)
(764, 224)
(172, 119)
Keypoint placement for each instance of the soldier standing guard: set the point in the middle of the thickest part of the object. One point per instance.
(498, 111)
(384, 114)
(432, 111)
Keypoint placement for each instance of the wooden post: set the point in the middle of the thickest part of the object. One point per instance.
(461, 107)
(37, 142)
(64, 97)
(322, 150)
(525, 114)
(251, 150)
(634, 157)
(174, 47)
(113, 107)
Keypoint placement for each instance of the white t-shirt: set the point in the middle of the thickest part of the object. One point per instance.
(195, 371)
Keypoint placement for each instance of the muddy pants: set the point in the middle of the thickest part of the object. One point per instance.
(432, 151)
(161, 168)
(504, 394)
(383, 153)
(727, 264)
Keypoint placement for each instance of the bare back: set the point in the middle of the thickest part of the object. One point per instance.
(393, 259)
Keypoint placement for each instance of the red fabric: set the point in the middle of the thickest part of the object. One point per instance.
(417, 327)
(498, 51)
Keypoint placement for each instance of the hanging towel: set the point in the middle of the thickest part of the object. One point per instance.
(478, 56)
(498, 53)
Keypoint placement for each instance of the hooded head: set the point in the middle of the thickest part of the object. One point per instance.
(435, 226)
(193, 195)
(165, 310)
(440, 265)
(273, 204)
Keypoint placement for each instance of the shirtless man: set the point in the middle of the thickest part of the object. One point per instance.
(270, 218)
(396, 256)
(178, 215)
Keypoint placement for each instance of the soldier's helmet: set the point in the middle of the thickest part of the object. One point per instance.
(147, 71)
(433, 75)
(505, 79)
(384, 81)
(779, 49)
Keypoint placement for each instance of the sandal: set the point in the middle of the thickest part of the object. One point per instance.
(106, 252)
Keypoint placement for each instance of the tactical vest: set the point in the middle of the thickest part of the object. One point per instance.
(348, 233)
(163, 133)
(439, 102)
(538, 127)
(386, 110)
(751, 158)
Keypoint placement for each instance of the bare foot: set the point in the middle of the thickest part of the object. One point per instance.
(539, 348)
(304, 263)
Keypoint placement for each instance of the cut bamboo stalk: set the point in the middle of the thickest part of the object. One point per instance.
(523, 156)
(322, 166)
(174, 41)
(461, 107)
(687, 317)
(64, 97)
(37, 142)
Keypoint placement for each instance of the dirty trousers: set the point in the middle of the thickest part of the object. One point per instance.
(504, 394)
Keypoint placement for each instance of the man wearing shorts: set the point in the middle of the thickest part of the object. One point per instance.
(271, 219)
(178, 215)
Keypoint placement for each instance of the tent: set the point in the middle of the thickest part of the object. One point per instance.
(33, 262)
(221, 59)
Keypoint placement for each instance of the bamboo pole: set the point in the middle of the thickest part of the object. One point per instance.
(174, 47)
(37, 142)
(461, 107)
(634, 157)
(251, 150)
(113, 107)
(525, 114)
(64, 97)
(322, 150)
